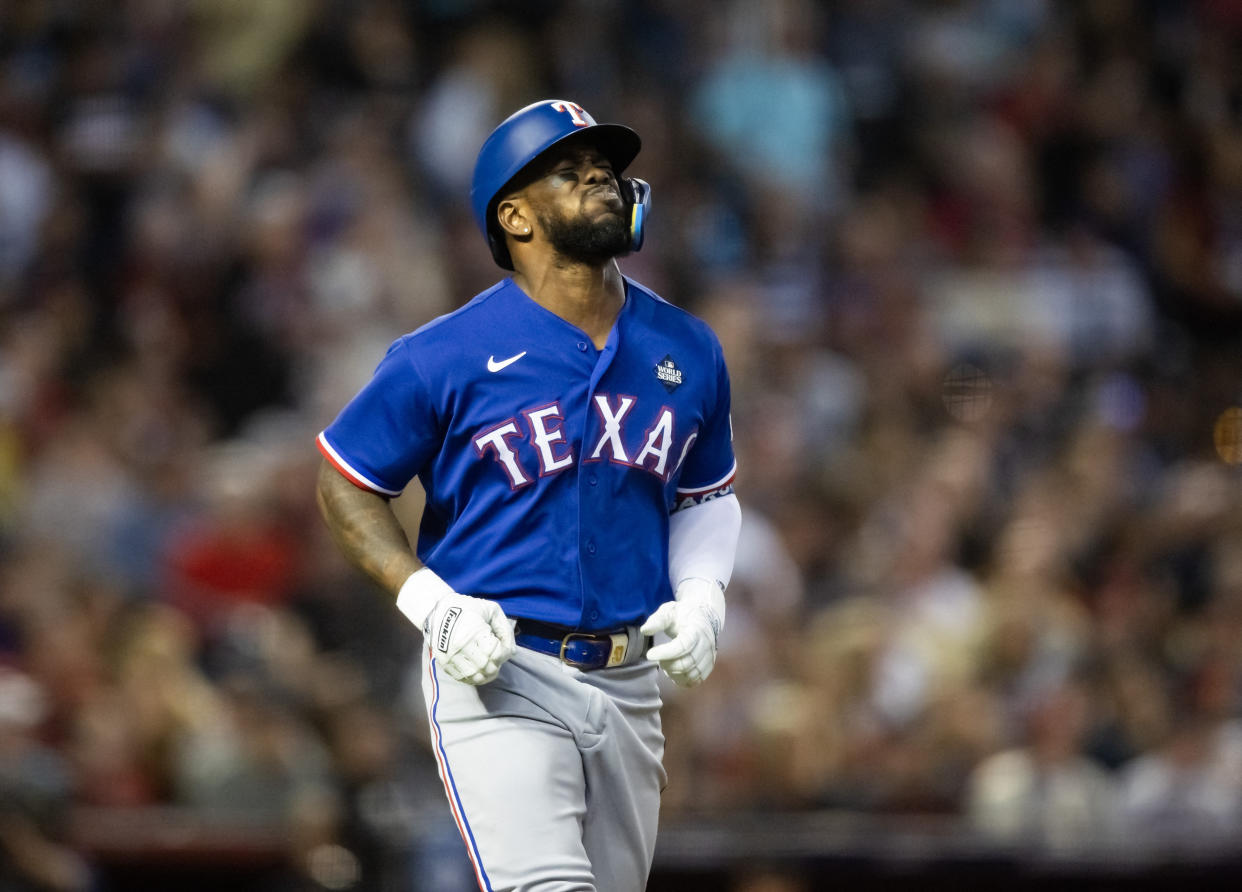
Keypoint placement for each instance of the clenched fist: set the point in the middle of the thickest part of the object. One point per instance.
(694, 622)
(471, 637)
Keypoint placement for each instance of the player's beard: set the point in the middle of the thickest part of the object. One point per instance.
(587, 241)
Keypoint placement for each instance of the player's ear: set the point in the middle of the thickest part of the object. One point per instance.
(513, 217)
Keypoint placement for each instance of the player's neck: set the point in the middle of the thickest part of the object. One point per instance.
(589, 297)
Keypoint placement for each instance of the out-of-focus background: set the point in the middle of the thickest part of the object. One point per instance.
(977, 268)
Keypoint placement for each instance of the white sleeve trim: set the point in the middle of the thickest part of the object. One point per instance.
(702, 541)
(699, 490)
(354, 476)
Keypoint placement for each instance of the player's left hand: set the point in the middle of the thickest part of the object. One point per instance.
(693, 621)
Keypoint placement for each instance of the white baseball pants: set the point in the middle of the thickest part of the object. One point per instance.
(553, 775)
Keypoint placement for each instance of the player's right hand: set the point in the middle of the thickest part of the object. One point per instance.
(470, 637)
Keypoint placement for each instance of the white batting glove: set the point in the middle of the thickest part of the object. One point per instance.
(694, 622)
(471, 637)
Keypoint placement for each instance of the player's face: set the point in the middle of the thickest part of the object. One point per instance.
(578, 205)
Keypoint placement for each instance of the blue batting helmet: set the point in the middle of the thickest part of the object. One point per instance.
(523, 137)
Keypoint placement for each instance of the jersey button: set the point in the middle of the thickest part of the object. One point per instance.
(592, 480)
(594, 614)
(590, 548)
(582, 345)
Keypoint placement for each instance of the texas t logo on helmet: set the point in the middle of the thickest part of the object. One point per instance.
(576, 112)
(527, 134)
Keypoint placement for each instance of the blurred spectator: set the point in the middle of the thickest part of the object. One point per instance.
(1186, 793)
(25, 201)
(773, 104)
(35, 792)
(239, 549)
(493, 68)
(1046, 793)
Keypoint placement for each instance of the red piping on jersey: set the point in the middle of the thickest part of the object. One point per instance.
(358, 480)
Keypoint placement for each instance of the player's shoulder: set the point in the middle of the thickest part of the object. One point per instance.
(438, 341)
(450, 325)
(670, 319)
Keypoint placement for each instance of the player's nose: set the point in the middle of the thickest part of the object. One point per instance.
(595, 173)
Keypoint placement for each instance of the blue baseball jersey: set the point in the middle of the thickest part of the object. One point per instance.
(550, 467)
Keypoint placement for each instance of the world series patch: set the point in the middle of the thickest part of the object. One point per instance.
(668, 373)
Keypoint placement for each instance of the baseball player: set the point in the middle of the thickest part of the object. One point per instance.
(571, 430)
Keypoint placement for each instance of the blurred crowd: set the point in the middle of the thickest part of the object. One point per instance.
(977, 269)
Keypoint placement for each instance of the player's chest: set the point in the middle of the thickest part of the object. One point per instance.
(535, 412)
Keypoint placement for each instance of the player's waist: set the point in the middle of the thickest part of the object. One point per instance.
(588, 651)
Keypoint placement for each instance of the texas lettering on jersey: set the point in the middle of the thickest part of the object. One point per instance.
(542, 438)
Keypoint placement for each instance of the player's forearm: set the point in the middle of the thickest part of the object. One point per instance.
(365, 529)
(703, 541)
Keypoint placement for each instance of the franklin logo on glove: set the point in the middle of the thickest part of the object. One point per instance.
(472, 638)
(446, 628)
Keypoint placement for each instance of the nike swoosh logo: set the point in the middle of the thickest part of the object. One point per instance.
(494, 366)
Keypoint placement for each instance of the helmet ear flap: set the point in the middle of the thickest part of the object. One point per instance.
(636, 194)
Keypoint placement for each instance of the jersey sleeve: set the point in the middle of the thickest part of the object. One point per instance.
(387, 432)
(711, 464)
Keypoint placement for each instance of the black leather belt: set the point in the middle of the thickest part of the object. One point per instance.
(582, 650)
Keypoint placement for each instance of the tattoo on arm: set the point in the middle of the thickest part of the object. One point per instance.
(363, 525)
